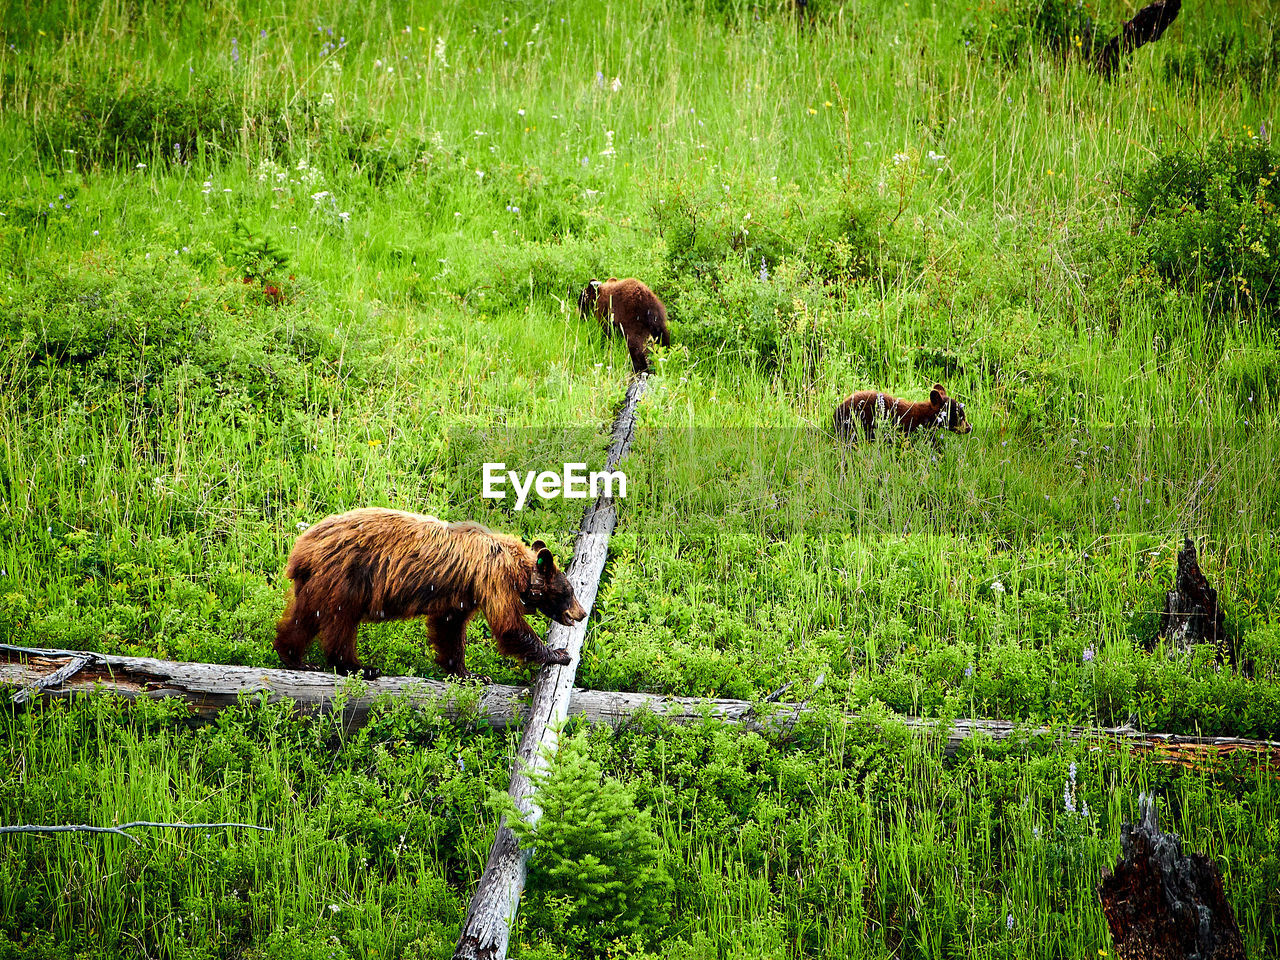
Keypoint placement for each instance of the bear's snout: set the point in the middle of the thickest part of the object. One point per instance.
(572, 615)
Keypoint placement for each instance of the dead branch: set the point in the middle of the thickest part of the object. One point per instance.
(86, 828)
(486, 930)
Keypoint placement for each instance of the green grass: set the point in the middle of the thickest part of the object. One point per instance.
(855, 200)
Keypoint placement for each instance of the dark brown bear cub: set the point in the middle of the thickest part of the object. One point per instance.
(375, 564)
(630, 306)
(866, 407)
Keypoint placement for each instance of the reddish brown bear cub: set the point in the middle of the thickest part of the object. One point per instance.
(376, 564)
(865, 407)
(628, 305)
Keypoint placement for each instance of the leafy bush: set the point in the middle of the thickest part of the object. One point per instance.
(106, 122)
(1208, 220)
(374, 149)
(595, 850)
(160, 332)
(1224, 58)
(105, 125)
(838, 236)
(1007, 31)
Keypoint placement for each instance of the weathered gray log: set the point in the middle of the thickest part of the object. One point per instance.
(210, 688)
(1162, 904)
(486, 930)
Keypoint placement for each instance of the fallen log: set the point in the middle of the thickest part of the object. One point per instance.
(486, 929)
(210, 688)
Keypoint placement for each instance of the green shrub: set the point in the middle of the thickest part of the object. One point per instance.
(1208, 221)
(1008, 31)
(597, 861)
(1224, 58)
(153, 329)
(374, 149)
(106, 125)
(837, 236)
(118, 123)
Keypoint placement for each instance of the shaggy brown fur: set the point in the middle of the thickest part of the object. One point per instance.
(865, 407)
(375, 564)
(630, 306)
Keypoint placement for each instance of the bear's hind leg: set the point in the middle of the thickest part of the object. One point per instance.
(448, 635)
(338, 640)
(294, 633)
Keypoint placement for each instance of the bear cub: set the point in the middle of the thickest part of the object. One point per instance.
(630, 306)
(864, 408)
(374, 564)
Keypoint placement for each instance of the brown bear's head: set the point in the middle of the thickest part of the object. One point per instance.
(950, 410)
(550, 591)
(955, 420)
(587, 299)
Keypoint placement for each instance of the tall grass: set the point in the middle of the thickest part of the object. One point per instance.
(826, 203)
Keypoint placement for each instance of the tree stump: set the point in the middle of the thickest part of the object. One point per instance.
(1191, 612)
(1162, 904)
(1147, 26)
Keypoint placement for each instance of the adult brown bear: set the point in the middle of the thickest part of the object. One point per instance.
(864, 408)
(375, 564)
(630, 306)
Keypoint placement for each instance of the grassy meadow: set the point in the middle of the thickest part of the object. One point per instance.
(261, 263)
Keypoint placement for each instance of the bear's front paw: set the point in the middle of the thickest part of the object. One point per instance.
(560, 657)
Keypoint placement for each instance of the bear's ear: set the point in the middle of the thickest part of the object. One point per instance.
(937, 395)
(537, 546)
(613, 279)
(546, 562)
